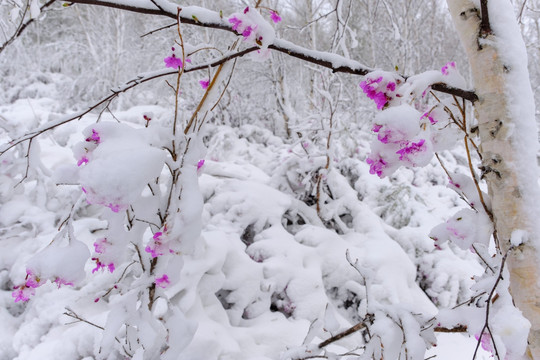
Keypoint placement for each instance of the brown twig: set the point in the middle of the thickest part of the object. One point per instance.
(488, 307)
(342, 334)
(485, 26)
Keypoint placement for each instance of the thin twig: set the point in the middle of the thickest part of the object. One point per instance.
(342, 334)
(158, 29)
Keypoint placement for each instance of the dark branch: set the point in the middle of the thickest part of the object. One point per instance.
(341, 335)
(465, 94)
(485, 27)
(457, 329)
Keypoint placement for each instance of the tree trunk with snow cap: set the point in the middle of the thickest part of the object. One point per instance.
(509, 143)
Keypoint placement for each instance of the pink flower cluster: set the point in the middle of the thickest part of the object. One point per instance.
(32, 281)
(379, 90)
(401, 141)
(446, 69)
(95, 140)
(101, 246)
(163, 281)
(173, 61)
(246, 26)
(156, 247)
(243, 27)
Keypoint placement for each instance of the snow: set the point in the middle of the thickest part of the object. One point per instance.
(254, 270)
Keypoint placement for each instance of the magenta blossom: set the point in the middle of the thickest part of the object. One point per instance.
(275, 17)
(376, 128)
(247, 31)
(156, 247)
(83, 160)
(114, 207)
(449, 65)
(100, 245)
(204, 83)
(370, 87)
(236, 23)
(200, 164)
(95, 138)
(485, 341)
(32, 280)
(411, 149)
(376, 166)
(431, 119)
(60, 281)
(23, 293)
(163, 281)
(173, 62)
(100, 265)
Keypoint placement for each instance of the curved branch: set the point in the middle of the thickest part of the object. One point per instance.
(198, 16)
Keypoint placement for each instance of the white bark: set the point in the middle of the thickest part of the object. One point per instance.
(505, 113)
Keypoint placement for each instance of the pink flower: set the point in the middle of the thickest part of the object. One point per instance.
(173, 62)
(204, 83)
(391, 86)
(431, 119)
(163, 281)
(370, 87)
(114, 207)
(23, 293)
(376, 166)
(100, 265)
(200, 164)
(236, 23)
(247, 31)
(454, 184)
(95, 138)
(411, 149)
(32, 280)
(445, 68)
(83, 160)
(100, 245)
(156, 247)
(59, 281)
(485, 341)
(275, 17)
(376, 128)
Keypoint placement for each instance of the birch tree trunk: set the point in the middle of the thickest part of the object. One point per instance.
(509, 142)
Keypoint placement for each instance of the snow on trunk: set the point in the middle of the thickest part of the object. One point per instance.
(507, 127)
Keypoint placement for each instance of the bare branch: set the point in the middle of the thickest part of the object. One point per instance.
(23, 25)
(342, 334)
(187, 15)
(485, 27)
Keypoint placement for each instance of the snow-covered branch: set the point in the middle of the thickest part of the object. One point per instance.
(199, 16)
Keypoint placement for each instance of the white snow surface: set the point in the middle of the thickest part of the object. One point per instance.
(266, 278)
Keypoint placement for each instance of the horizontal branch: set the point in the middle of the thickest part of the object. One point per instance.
(198, 16)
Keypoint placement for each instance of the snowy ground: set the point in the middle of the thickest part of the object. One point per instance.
(268, 274)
